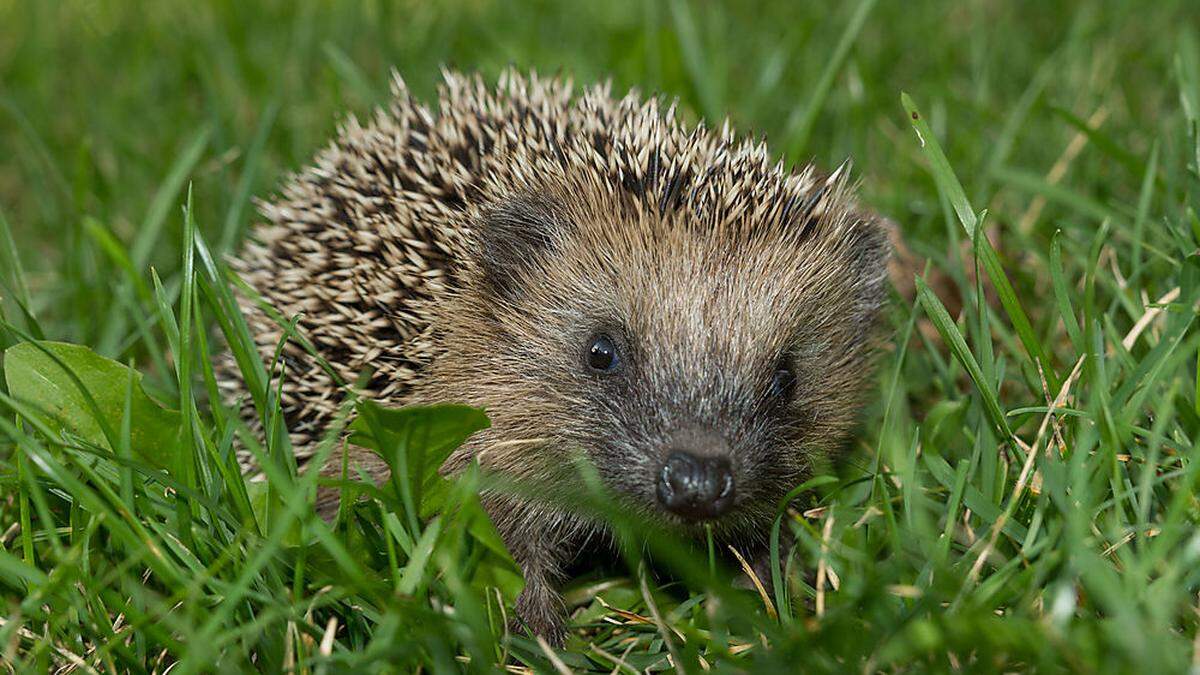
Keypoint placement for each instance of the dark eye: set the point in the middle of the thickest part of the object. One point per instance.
(602, 354)
(783, 382)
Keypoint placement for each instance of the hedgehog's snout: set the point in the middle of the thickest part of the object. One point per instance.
(696, 480)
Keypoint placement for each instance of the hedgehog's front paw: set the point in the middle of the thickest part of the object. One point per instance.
(540, 611)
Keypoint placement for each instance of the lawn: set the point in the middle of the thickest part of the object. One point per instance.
(1024, 493)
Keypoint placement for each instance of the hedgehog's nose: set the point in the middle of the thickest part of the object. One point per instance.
(696, 488)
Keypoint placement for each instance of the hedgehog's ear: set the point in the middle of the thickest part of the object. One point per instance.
(512, 239)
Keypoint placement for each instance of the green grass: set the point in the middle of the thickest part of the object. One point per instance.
(1024, 493)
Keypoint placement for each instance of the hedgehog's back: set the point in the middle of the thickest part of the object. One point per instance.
(362, 244)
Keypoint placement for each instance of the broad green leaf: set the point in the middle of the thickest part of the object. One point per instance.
(415, 441)
(35, 377)
(439, 429)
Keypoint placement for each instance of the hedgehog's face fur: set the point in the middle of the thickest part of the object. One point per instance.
(591, 325)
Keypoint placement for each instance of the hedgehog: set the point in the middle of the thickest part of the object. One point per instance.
(668, 302)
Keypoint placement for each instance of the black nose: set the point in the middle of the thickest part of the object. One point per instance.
(697, 488)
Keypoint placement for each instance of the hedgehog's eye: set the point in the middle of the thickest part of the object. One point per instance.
(783, 382)
(602, 354)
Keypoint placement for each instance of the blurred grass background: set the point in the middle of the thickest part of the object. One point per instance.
(1057, 117)
(99, 98)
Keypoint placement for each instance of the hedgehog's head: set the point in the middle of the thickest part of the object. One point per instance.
(700, 358)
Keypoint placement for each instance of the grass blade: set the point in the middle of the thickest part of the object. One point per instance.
(949, 185)
(800, 125)
(958, 346)
(151, 229)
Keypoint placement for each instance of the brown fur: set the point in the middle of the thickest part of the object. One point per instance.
(468, 254)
